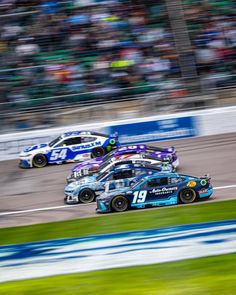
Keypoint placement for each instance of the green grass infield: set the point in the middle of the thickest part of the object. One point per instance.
(206, 276)
(132, 220)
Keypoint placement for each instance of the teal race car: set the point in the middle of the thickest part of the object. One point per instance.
(160, 189)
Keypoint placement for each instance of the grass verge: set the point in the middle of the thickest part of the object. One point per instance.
(138, 220)
(208, 276)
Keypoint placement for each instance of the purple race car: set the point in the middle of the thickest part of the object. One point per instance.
(93, 165)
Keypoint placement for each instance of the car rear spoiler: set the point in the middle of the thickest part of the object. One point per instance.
(206, 176)
(114, 135)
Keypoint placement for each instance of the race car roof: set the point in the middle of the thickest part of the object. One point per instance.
(121, 166)
(145, 148)
(77, 133)
(165, 174)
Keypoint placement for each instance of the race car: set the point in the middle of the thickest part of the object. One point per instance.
(93, 165)
(160, 189)
(87, 169)
(87, 188)
(70, 146)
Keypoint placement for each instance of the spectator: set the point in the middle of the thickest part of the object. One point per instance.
(74, 48)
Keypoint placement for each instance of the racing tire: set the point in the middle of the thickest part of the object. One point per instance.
(97, 152)
(39, 161)
(187, 196)
(120, 204)
(86, 196)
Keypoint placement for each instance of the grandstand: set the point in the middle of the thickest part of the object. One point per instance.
(92, 59)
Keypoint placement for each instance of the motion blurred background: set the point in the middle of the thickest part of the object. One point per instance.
(72, 61)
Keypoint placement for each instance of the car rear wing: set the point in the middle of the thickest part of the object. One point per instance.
(114, 135)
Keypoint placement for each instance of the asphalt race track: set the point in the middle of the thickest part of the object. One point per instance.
(40, 191)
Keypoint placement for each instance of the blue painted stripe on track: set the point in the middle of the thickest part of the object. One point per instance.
(71, 255)
(148, 232)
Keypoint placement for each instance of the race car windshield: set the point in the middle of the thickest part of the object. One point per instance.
(100, 176)
(54, 141)
(104, 165)
(107, 157)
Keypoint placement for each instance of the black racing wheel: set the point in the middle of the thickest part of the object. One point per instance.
(39, 161)
(120, 204)
(187, 195)
(86, 195)
(98, 152)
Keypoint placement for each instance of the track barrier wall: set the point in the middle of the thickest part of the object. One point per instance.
(132, 131)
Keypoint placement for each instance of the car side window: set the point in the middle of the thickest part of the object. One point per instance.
(87, 139)
(122, 174)
(72, 141)
(149, 156)
(142, 162)
(157, 182)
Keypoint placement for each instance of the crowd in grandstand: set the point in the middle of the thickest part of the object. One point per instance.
(212, 29)
(107, 48)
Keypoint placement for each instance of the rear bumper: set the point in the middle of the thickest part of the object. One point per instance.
(206, 194)
(175, 164)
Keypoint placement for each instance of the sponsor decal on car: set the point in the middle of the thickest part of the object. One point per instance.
(86, 146)
(164, 190)
(191, 184)
(203, 191)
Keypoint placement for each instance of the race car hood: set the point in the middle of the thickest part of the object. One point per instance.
(35, 147)
(89, 163)
(84, 180)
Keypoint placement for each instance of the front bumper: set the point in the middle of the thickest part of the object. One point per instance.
(103, 206)
(25, 163)
(70, 199)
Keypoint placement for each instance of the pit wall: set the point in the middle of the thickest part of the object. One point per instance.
(132, 131)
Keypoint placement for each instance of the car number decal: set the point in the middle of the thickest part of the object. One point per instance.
(139, 196)
(58, 154)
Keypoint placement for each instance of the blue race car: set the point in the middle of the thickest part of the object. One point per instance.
(70, 146)
(87, 188)
(144, 158)
(160, 189)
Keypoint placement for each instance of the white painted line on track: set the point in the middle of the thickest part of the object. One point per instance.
(72, 206)
(224, 187)
(40, 209)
